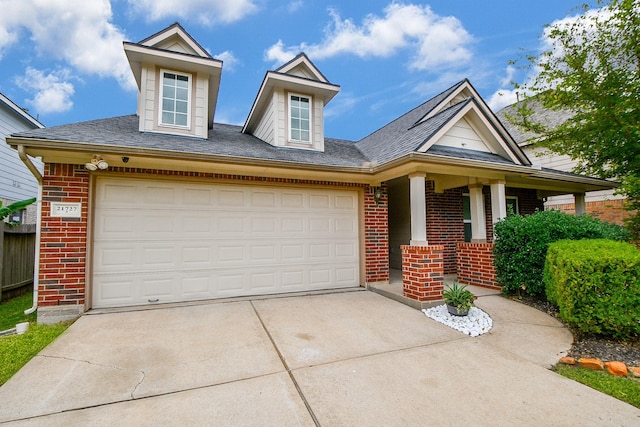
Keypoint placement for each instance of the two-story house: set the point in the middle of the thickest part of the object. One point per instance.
(166, 205)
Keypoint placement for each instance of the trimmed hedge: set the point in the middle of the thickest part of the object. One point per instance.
(596, 286)
(521, 245)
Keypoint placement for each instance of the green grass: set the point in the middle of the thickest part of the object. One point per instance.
(625, 389)
(12, 311)
(17, 350)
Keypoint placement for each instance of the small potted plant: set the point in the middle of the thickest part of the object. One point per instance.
(458, 298)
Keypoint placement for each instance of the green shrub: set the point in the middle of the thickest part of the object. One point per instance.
(521, 245)
(596, 286)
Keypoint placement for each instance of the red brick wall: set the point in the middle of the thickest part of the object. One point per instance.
(445, 222)
(376, 231)
(528, 200)
(423, 272)
(612, 211)
(475, 264)
(63, 240)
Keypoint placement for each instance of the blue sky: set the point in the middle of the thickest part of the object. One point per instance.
(64, 61)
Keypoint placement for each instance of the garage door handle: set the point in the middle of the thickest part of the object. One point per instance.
(153, 300)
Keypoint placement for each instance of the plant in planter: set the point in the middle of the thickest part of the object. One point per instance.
(459, 299)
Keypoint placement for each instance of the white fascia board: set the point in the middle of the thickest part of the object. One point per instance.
(137, 54)
(26, 116)
(459, 116)
(176, 30)
(291, 83)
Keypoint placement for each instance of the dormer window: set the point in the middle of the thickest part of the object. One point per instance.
(300, 118)
(175, 99)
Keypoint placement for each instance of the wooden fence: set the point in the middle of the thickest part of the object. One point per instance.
(17, 256)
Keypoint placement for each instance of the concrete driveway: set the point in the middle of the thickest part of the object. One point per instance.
(344, 358)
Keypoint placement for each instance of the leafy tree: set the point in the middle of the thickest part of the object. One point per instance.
(592, 68)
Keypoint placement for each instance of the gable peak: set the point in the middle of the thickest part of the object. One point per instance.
(302, 66)
(175, 38)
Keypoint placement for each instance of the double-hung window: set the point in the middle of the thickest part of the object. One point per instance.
(299, 118)
(175, 97)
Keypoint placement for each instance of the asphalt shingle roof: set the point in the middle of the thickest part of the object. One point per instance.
(223, 140)
(545, 116)
(401, 136)
(462, 153)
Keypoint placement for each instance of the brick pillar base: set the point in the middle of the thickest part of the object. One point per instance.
(474, 262)
(423, 272)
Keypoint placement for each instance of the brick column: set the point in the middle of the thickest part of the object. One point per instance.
(423, 272)
(475, 264)
(63, 245)
(376, 230)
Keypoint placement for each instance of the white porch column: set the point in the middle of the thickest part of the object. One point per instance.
(498, 201)
(581, 205)
(478, 216)
(418, 209)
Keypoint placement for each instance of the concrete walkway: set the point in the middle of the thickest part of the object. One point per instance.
(345, 358)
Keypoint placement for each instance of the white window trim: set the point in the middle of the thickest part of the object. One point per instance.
(161, 93)
(300, 141)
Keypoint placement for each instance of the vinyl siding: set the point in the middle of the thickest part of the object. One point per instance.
(16, 182)
(462, 135)
(266, 127)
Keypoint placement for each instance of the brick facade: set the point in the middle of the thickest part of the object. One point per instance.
(475, 264)
(528, 201)
(376, 230)
(612, 211)
(63, 241)
(445, 222)
(63, 246)
(423, 272)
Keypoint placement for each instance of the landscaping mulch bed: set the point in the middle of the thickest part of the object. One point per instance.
(596, 347)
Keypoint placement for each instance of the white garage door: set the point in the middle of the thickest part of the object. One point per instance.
(167, 241)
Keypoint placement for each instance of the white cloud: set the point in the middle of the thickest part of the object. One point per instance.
(206, 12)
(230, 61)
(295, 6)
(52, 92)
(436, 41)
(508, 78)
(79, 34)
(502, 98)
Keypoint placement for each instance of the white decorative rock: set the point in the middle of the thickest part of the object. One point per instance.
(477, 322)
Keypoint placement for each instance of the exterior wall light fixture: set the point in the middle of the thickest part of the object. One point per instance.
(377, 195)
(97, 162)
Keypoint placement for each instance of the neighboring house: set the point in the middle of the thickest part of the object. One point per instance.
(602, 204)
(167, 206)
(16, 182)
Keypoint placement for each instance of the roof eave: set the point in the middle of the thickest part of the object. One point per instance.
(56, 151)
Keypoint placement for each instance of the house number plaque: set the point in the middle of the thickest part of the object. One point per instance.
(66, 210)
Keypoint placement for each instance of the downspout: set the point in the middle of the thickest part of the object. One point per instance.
(36, 266)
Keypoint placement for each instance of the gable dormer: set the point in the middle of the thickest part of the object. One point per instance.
(178, 83)
(289, 108)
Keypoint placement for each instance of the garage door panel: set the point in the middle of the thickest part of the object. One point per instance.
(176, 241)
(160, 195)
(160, 288)
(231, 198)
(346, 274)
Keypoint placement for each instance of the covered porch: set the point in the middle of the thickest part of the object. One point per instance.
(441, 230)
